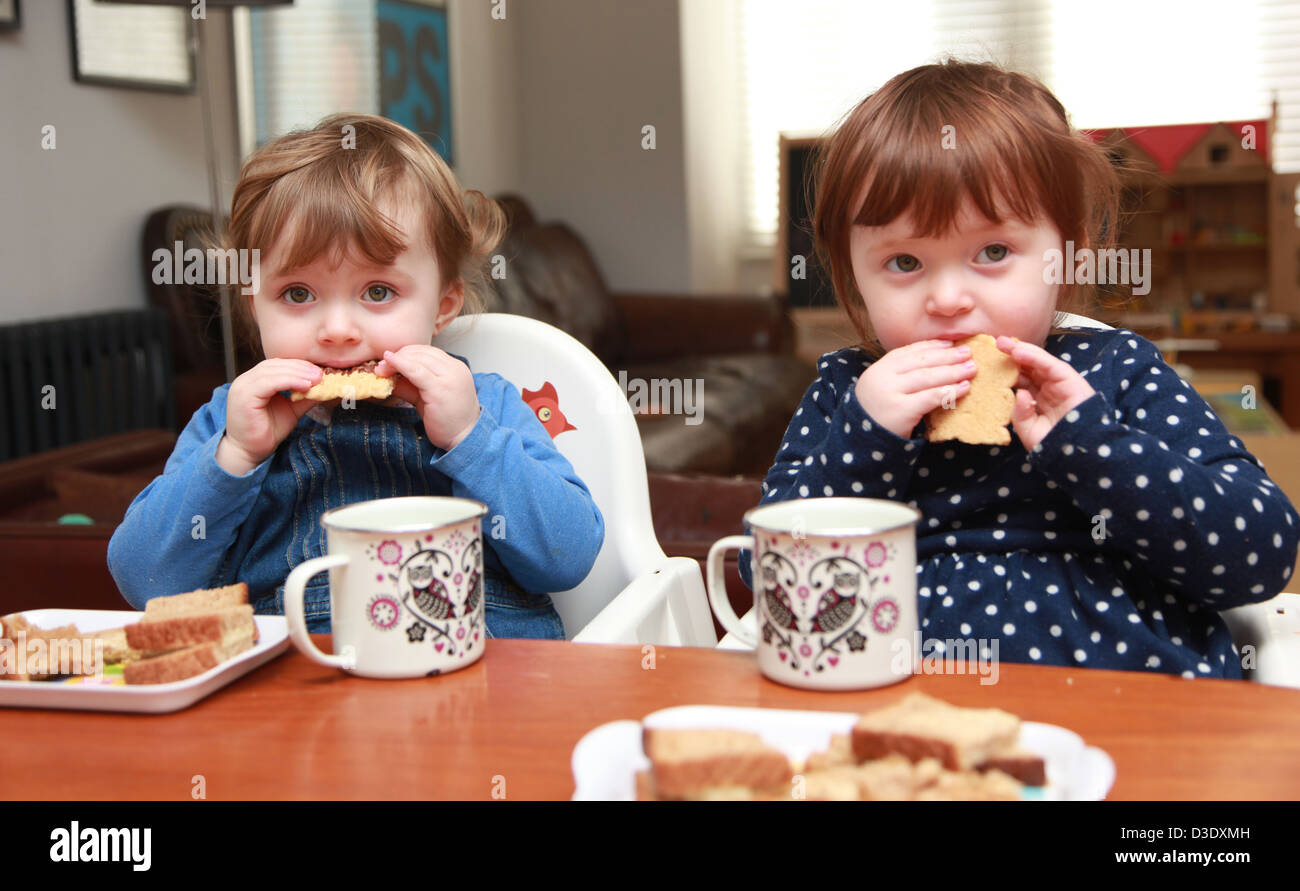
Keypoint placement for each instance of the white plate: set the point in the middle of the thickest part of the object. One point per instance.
(273, 639)
(606, 760)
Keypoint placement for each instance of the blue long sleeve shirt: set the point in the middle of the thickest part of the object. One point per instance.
(197, 526)
(1113, 543)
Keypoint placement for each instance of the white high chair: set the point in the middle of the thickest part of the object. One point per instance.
(634, 593)
(1271, 628)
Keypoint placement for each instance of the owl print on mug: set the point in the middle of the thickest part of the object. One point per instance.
(440, 590)
(816, 606)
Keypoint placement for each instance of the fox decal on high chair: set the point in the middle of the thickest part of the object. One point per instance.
(545, 402)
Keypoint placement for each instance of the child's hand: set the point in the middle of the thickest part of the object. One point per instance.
(908, 383)
(258, 418)
(439, 386)
(1047, 391)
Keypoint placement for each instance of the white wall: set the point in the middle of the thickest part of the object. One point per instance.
(591, 75)
(70, 218)
(713, 110)
(484, 102)
(548, 102)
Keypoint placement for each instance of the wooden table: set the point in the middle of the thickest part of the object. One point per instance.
(297, 730)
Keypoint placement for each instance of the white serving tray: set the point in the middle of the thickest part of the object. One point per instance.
(273, 639)
(606, 760)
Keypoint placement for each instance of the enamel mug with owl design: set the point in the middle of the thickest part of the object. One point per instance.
(834, 591)
(406, 587)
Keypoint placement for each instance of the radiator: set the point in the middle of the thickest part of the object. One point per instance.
(73, 379)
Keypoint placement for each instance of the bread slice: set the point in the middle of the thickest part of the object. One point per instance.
(885, 779)
(837, 754)
(116, 649)
(203, 600)
(645, 786)
(357, 382)
(206, 618)
(982, 415)
(1024, 766)
(11, 624)
(921, 726)
(969, 786)
(689, 761)
(190, 629)
(63, 650)
(190, 661)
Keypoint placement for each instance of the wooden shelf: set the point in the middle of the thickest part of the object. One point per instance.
(1213, 247)
(1219, 177)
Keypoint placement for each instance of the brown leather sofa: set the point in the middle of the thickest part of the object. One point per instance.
(735, 350)
(738, 347)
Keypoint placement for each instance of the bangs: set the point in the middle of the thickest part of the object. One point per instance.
(318, 213)
(927, 160)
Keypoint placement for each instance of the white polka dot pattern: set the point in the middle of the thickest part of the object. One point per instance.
(1138, 497)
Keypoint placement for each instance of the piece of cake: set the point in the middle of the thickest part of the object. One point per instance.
(921, 727)
(689, 761)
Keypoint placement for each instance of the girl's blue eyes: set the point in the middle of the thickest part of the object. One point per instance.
(993, 253)
(297, 296)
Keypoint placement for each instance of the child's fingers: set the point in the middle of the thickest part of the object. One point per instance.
(415, 368)
(928, 378)
(944, 397)
(301, 407)
(1039, 368)
(266, 382)
(406, 391)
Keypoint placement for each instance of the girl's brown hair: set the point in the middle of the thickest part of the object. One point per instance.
(934, 135)
(327, 183)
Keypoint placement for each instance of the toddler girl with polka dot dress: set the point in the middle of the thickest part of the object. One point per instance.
(1123, 516)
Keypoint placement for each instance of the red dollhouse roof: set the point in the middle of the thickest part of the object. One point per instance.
(1168, 145)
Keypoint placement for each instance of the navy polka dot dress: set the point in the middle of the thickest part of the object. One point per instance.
(1112, 544)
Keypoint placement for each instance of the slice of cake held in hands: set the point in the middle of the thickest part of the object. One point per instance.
(357, 382)
(982, 415)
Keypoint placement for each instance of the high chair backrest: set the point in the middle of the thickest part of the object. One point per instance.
(589, 419)
(1071, 320)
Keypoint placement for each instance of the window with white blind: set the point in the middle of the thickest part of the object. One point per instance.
(301, 63)
(1111, 63)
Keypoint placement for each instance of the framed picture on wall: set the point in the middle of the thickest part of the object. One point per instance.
(415, 70)
(146, 47)
(9, 17)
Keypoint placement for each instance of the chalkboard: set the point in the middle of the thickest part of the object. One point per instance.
(798, 273)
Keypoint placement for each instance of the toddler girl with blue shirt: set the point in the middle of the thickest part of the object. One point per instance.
(368, 249)
(1123, 516)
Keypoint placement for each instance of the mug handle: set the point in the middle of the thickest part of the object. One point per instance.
(294, 611)
(717, 587)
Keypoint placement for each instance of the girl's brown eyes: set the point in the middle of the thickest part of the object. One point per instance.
(297, 296)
